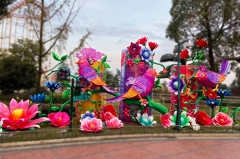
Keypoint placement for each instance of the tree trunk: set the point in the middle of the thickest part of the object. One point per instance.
(40, 49)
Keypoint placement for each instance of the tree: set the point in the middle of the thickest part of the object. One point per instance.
(113, 80)
(16, 74)
(63, 12)
(217, 21)
(25, 50)
(3, 6)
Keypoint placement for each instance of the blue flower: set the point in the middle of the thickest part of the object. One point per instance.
(53, 85)
(222, 93)
(173, 85)
(212, 102)
(146, 54)
(38, 98)
(87, 115)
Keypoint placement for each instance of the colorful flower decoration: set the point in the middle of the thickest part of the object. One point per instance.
(212, 102)
(203, 119)
(146, 54)
(107, 116)
(142, 41)
(82, 82)
(222, 119)
(144, 102)
(173, 85)
(91, 54)
(91, 125)
(19, 115)
(166, 121)
(211, 94)
(110, 109)
(194, 124)
(114, 123)
(88, 115)
(52, 85)
(134, 49)
(145, 120)
(38, 98)
(84, 96)
(129, 62)
(185, 120)
(126, 112)
(223, 92)
(64, 73)
(184, 54)
(59, 119)
(201, 43)
(152, 45)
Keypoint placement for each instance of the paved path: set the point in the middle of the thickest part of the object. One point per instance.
(158, 148)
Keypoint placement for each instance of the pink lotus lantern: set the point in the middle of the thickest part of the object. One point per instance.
(91, 125)
(114, 123)
(19, 115)
(59, 119)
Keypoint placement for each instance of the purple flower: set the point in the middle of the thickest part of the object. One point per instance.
(90, 54)
(173, 85)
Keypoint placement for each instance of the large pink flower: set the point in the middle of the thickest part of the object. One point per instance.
(165, 120)
(91, 125)
(59, 119)
(114, 123)
(19, 115)
(222, 119)
(90, 53)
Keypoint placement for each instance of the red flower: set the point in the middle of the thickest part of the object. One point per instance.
(134, 49)
(201, 43)
(141, 65)
(142, 40)
(126, 112)
(152, 45)
(184, 54)
(108, 108)
(123, 58)
(203, 118)
(210, 94)
(129, 62)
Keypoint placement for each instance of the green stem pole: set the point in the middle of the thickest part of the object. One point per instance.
(50, 104)
(178, 121)
(71, 104)
(220, 109)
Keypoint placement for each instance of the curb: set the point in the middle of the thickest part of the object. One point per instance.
(107, 139)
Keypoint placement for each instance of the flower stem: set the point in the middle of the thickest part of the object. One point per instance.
(39, 110)
(63, 105)
(212, 112)
(220, 109)
(50, 104)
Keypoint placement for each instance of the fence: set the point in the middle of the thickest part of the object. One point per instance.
(19, 136)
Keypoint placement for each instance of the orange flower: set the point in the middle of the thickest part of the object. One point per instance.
(184, 54)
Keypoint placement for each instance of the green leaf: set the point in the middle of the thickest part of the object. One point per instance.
(104, 59)
(64, 57)
(54, 108)
(43, 115)
(66, 84)
(31, 129)
(89, 93)
(106, 65)
(91, 109)
(56, 56)
(137, 60)
(186, 103)
(225, 110)
(47, 98)
(66, 93)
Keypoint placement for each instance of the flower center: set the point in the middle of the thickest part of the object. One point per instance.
(60, 119)
(17, 114)
(221, 120)
(175, 84)
(145, 54)
(91, 126)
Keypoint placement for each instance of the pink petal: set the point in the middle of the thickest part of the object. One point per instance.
(25, 106)
(4, 111)
(13, 105)
(32, 111)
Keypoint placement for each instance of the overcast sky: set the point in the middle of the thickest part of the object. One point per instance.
(117, 23)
